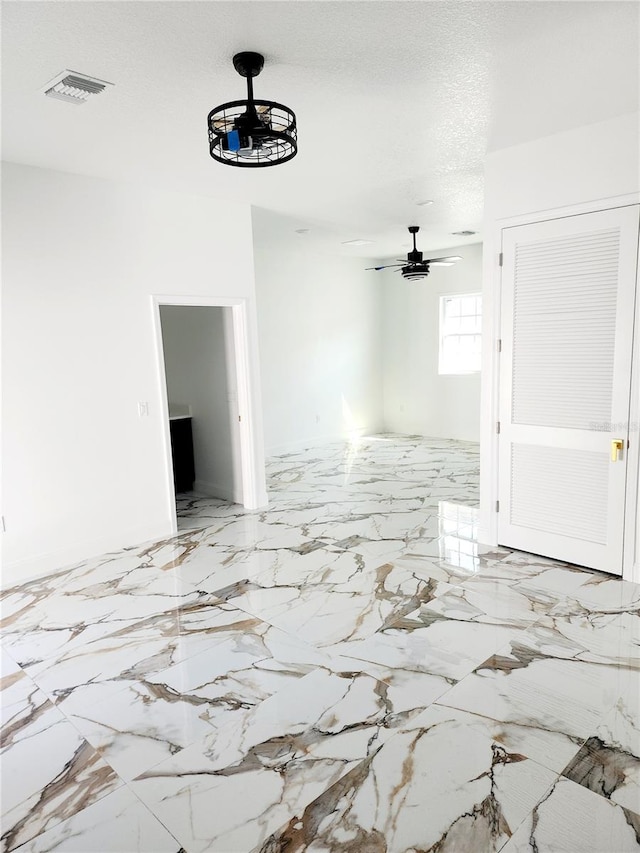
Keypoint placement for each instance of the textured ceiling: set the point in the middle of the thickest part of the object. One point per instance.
(397, 101)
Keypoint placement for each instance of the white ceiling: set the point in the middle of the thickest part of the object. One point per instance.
(397, 102)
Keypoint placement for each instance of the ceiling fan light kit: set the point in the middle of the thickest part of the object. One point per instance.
(252, 133)
(416, 265)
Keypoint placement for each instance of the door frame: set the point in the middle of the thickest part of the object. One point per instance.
(251, 448)
(490, 407)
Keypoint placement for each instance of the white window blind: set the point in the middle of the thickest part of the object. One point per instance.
(460, 333)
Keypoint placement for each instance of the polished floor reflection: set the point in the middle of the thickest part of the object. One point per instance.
(348, 670)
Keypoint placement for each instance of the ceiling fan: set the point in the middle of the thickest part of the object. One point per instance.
(415, 266)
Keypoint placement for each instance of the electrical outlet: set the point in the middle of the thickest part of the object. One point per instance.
(143, 409)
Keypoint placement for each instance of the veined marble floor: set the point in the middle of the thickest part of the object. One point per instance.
(346, 671)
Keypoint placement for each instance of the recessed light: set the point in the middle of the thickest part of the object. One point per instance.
(424, 203)
(356, 242)
(463, 233)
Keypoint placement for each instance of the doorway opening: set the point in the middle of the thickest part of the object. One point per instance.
(208, 424)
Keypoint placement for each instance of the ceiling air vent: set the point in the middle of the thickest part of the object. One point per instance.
(74, 88)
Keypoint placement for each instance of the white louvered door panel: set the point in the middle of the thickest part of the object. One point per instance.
(568, 291)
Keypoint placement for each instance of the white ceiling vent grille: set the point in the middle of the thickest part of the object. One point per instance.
(74, 88)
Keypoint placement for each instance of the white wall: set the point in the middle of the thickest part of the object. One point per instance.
(597, 161)
(198, 353)
(319, 332)
(594, 166)
(416, 398)
(81, 257)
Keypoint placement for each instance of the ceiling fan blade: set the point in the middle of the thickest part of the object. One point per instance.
(450, 259)
(440, 263)
(388, 266)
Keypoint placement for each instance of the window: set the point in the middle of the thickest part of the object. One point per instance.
(460, 333)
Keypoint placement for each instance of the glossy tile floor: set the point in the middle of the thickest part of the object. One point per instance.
(347, 671)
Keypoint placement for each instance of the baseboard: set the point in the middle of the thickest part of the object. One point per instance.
(20, 571)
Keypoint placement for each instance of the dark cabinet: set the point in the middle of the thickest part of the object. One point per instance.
(182, 454)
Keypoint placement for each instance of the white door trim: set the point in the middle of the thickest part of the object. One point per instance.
(251, 448)
(490, 407)
(631, 565)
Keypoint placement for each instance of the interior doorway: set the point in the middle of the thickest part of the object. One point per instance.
(202, 403)
(211, 448)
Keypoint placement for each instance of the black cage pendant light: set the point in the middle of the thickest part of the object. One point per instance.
(252, 133)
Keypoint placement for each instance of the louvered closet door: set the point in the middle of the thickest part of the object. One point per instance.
(568, 289)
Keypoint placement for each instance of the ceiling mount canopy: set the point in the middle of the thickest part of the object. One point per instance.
(252, 133)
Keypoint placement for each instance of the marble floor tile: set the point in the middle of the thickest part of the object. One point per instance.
(391, 506)
(318, 566)
(552, 585)
(49, 772)
(8, 666)
(438, 786)
(212, 567)
(258, 530)
(430, 565)
(549, 748)
(609, 761)
(571, 818)
(141, 725)
(379, 551)
(442, 646)
(103, 667)
(228, 645)
(521, 684)
(206, 565)
(195, 512)
(487, 602)
(538, 574)
(345, 669)
(237, 810)
(588, 636)
(537, 598)
(118, 823)
(606, 594)
(345, 600)
(271, 603)
(185, 629)
(425, 687)
(34, 645)
(12, 688)
(451, 558)
(374, 526)
(71, 617)
(257, 771)
(239, 672)
(17, 689)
